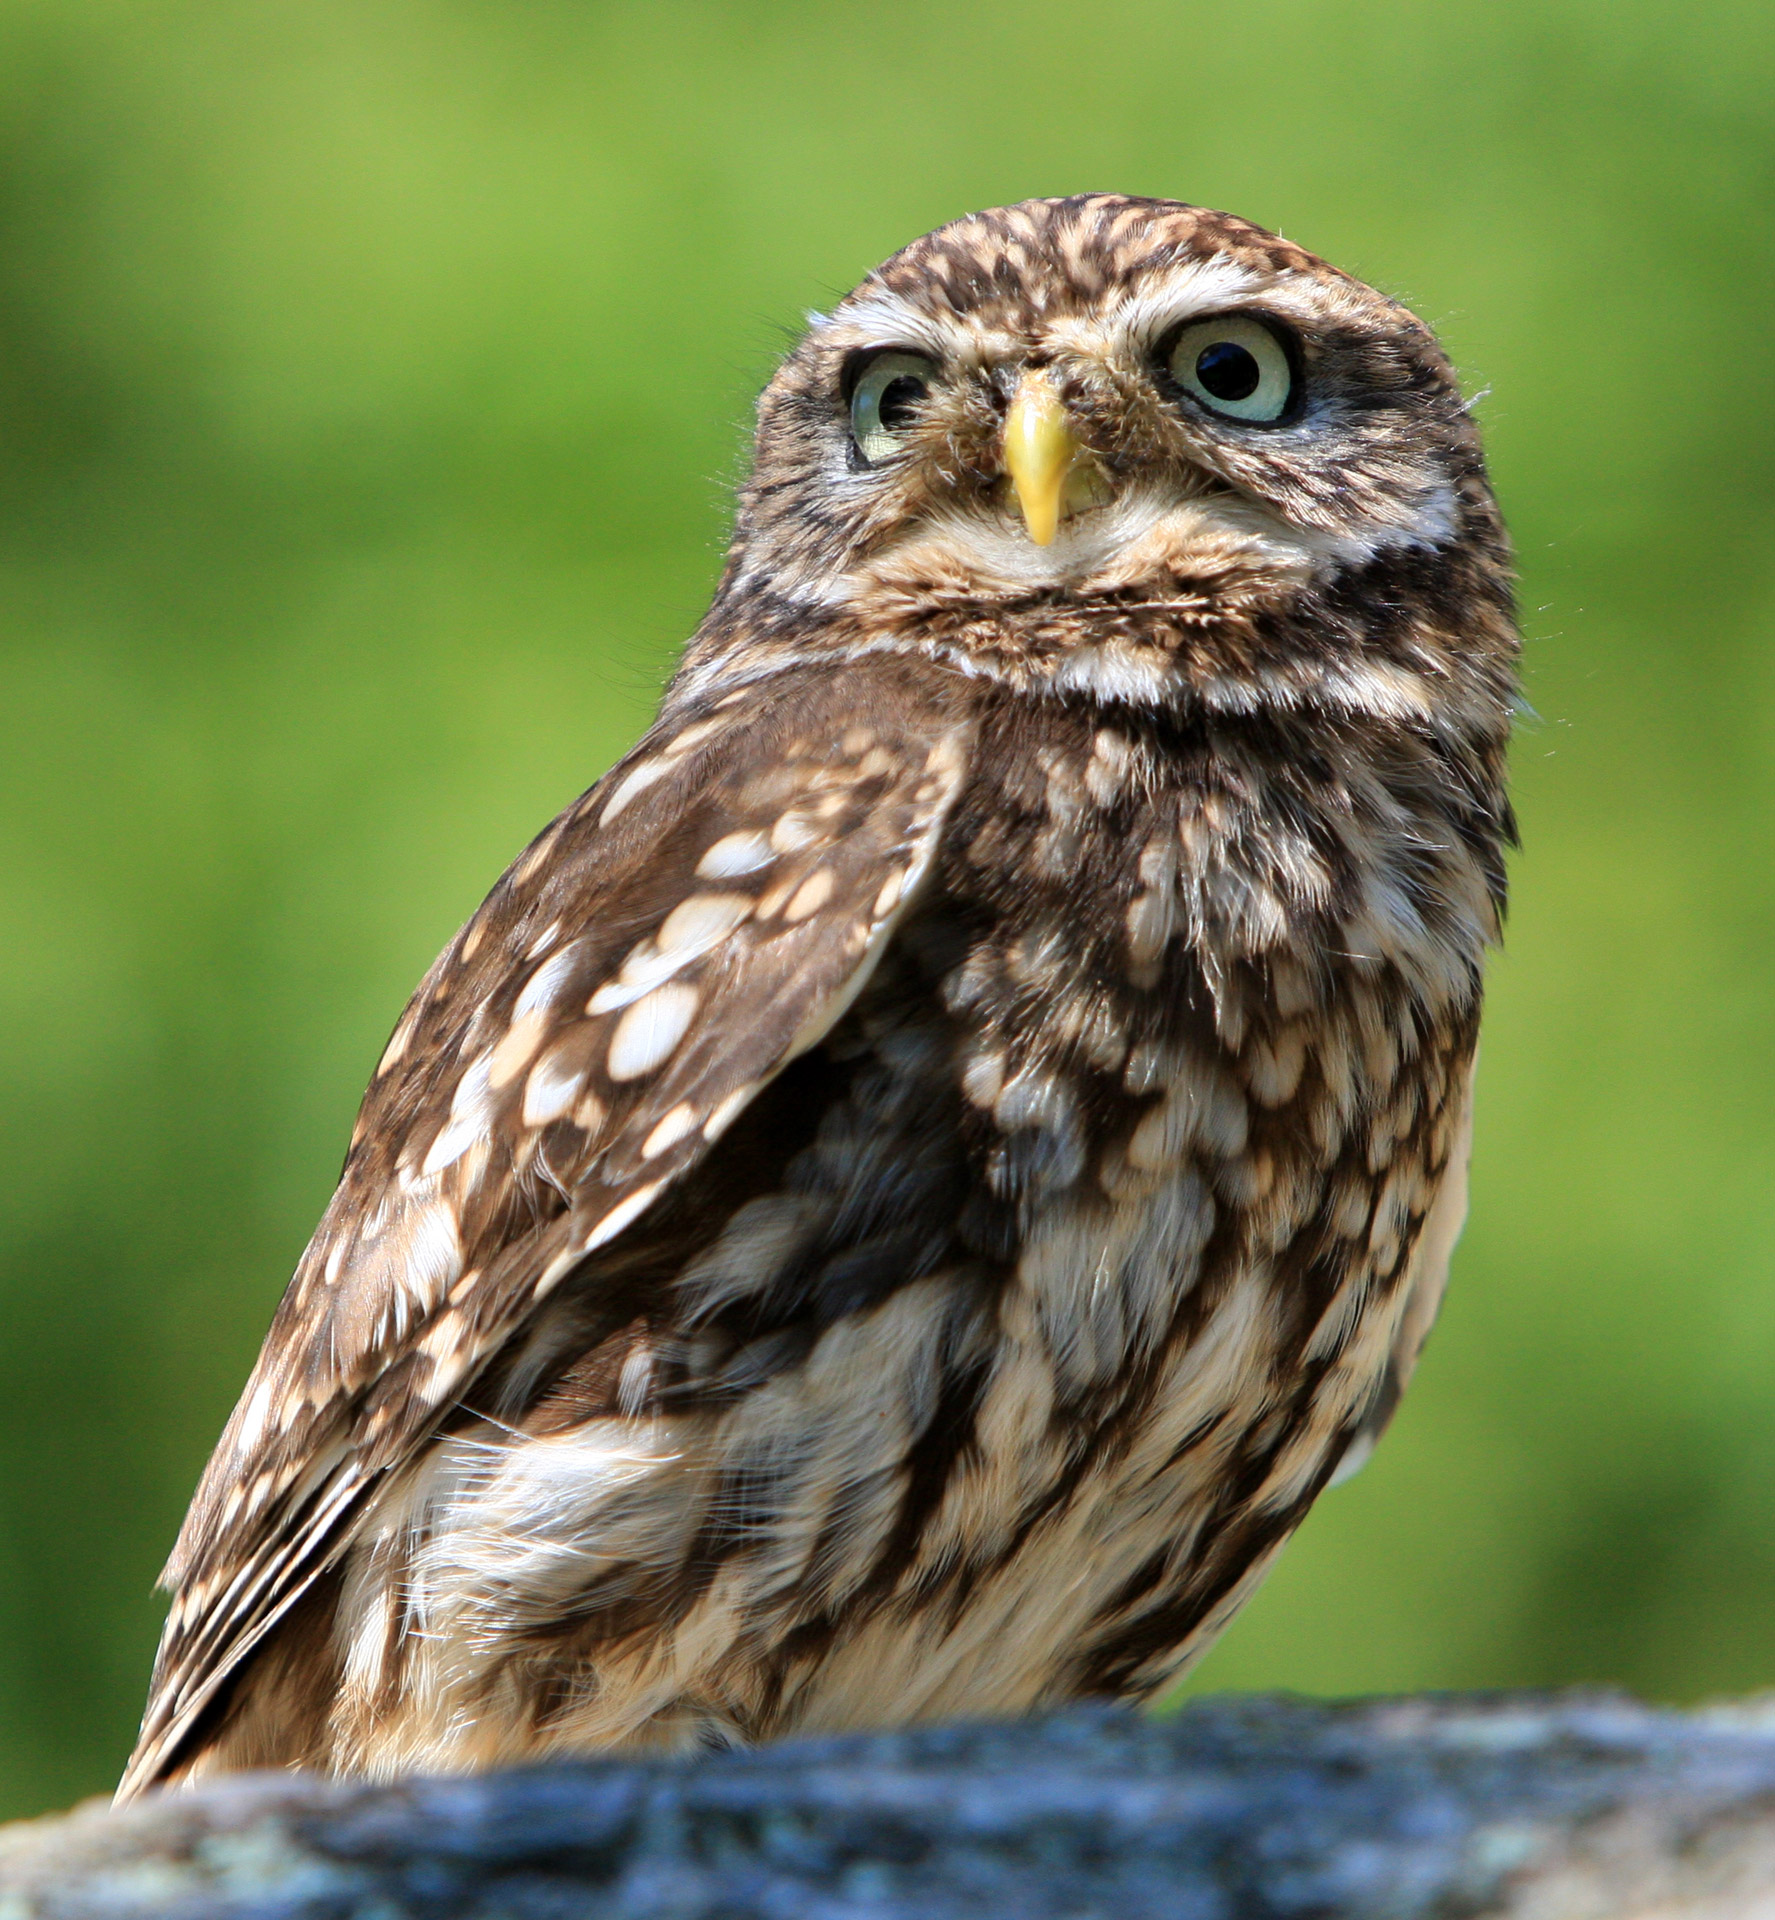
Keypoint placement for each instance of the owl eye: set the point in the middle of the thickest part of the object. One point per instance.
(1235, 366)
(885, 400)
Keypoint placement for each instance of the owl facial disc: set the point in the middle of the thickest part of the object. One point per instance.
(1100, 406)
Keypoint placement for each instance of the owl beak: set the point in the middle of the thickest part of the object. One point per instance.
(1041, 454)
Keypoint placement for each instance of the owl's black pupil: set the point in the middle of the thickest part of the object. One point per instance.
(898, 398)
(1227, 371)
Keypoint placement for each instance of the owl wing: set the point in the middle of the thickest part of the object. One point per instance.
(701, 917)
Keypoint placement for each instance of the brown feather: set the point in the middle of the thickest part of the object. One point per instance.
(906, 1192)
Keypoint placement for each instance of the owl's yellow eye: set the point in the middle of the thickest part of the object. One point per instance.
(1235, 366)
(885, 400)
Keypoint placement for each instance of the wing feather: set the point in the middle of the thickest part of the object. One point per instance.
(703, 915)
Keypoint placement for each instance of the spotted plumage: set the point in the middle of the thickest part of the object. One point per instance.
(906, 1192)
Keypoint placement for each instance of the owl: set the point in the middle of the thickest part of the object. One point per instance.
(906, 1192)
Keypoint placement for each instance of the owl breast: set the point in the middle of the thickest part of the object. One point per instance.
(994, 1362)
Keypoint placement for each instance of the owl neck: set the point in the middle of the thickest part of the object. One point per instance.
(1423, 641)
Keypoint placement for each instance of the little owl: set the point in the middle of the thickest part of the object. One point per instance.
(903, 1195)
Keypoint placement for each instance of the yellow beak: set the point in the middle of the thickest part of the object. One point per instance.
(1041, 452)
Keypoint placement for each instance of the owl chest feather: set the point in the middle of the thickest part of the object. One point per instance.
(1082, 1258)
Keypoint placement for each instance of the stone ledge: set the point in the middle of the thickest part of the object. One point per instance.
(1575, 1807)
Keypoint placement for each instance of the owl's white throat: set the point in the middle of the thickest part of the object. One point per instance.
(1111, 545)
(1107, 545)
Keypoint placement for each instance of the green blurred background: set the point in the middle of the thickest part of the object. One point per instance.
(371, 376)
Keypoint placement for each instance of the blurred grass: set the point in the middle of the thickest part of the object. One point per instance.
(370, 375)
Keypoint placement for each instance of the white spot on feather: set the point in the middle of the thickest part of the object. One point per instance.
(470, 1112)
(811, 895)
(680, 1121)
(253, 1413)
(648, 1033)
(513, 1053)
(397, 1041)
(694, 927)
(735, 854)
(434, 1256)
(636, 781)
(728, 1111)
(693, 736)
(621, 1216)
(795, 830)
(546, 982)
(696, 924)
(553, 1087)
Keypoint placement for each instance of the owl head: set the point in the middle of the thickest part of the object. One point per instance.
(1080, 411)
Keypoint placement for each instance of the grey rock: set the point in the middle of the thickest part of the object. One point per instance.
(1542, 1808)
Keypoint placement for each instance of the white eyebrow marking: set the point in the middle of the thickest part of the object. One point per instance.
(880, 318)
(1136, 322)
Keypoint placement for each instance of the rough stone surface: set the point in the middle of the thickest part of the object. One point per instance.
(1569, 1808)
